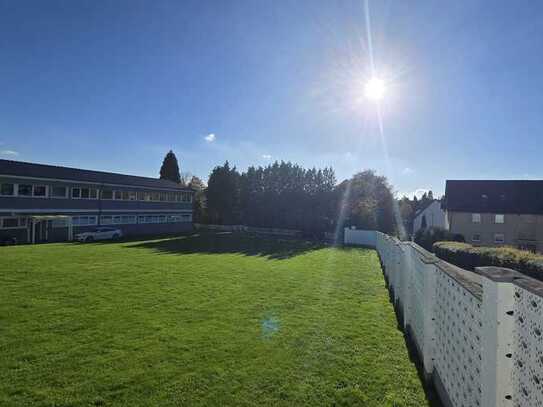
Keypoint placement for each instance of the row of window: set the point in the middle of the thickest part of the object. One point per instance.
(92, 220)
(48, 191)
(13, 223)
(499, 238)
(498, 218)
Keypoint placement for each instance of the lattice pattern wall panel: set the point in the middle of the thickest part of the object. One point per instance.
(527, 374)
(417, 298)
(458, 341)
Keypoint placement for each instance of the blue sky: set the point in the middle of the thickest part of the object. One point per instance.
(114, 85)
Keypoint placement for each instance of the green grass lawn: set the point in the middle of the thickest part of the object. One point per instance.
(199, 321)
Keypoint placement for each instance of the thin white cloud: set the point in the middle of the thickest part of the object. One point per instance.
(266, 156)
(407, 171)
(210, 138)
(9, 153)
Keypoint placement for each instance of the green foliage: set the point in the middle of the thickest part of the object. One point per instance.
(199, 201)
(467, 256)
(223, 192)
(199, 321)
(427, 237)
(170, 168)
(368, 202)
(281, 195)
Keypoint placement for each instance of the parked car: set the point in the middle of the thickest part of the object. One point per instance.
(99, 234)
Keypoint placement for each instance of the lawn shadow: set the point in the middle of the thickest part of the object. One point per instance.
(275, 248)
(415, 356)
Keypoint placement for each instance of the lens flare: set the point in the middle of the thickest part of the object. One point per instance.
(375, 89)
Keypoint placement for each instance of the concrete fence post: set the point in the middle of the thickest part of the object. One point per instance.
(497, 336)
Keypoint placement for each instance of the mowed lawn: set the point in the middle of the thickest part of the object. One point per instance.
(199, 321)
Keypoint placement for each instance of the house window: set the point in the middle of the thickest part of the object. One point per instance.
(132, 196)
(118, 195)
(59, 192)
(25, 190)
(40, 191)
(7, 189)
(499, 218)
(93, 193)
(476, 238)
(499, 238)
(107, 194)
(476, 218)
(76, 193)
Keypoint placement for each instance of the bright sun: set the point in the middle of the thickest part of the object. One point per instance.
(375, 89)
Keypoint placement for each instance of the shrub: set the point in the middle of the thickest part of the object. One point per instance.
(427, 237)
(468, 257)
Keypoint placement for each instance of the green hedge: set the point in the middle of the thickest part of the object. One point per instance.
(468, 257)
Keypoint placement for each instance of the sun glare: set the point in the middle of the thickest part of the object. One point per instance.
(375, 89)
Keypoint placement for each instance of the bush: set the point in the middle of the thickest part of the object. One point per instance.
(427, 237)
(468, 257)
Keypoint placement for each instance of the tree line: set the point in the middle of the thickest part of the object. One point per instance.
(288, 196)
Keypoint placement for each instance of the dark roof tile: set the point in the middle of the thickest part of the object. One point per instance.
(518, 197)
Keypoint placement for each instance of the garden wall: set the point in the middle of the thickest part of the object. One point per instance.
(479, 334)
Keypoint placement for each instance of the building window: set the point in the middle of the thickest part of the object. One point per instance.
(476, 238)
(499, 218)
(40, 191)
(25, 190)
(128, 219)
(499, 238)
(7, 189)
(12, 223)
(106, 220)
(476, 218)
(84, 220)
(118, 195)
(132, 196)
(107, 194)
(59, 192)
(84, 193)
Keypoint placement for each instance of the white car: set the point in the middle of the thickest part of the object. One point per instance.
(99, 234)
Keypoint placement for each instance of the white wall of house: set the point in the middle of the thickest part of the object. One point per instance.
(435, 217)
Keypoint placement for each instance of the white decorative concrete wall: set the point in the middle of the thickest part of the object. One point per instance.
(360, 237)
(478, 334)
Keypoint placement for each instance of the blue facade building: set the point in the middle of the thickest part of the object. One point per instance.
(45, 203)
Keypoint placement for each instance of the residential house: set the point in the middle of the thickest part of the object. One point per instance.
(496, 213)
(430, 215)
(41, 203)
